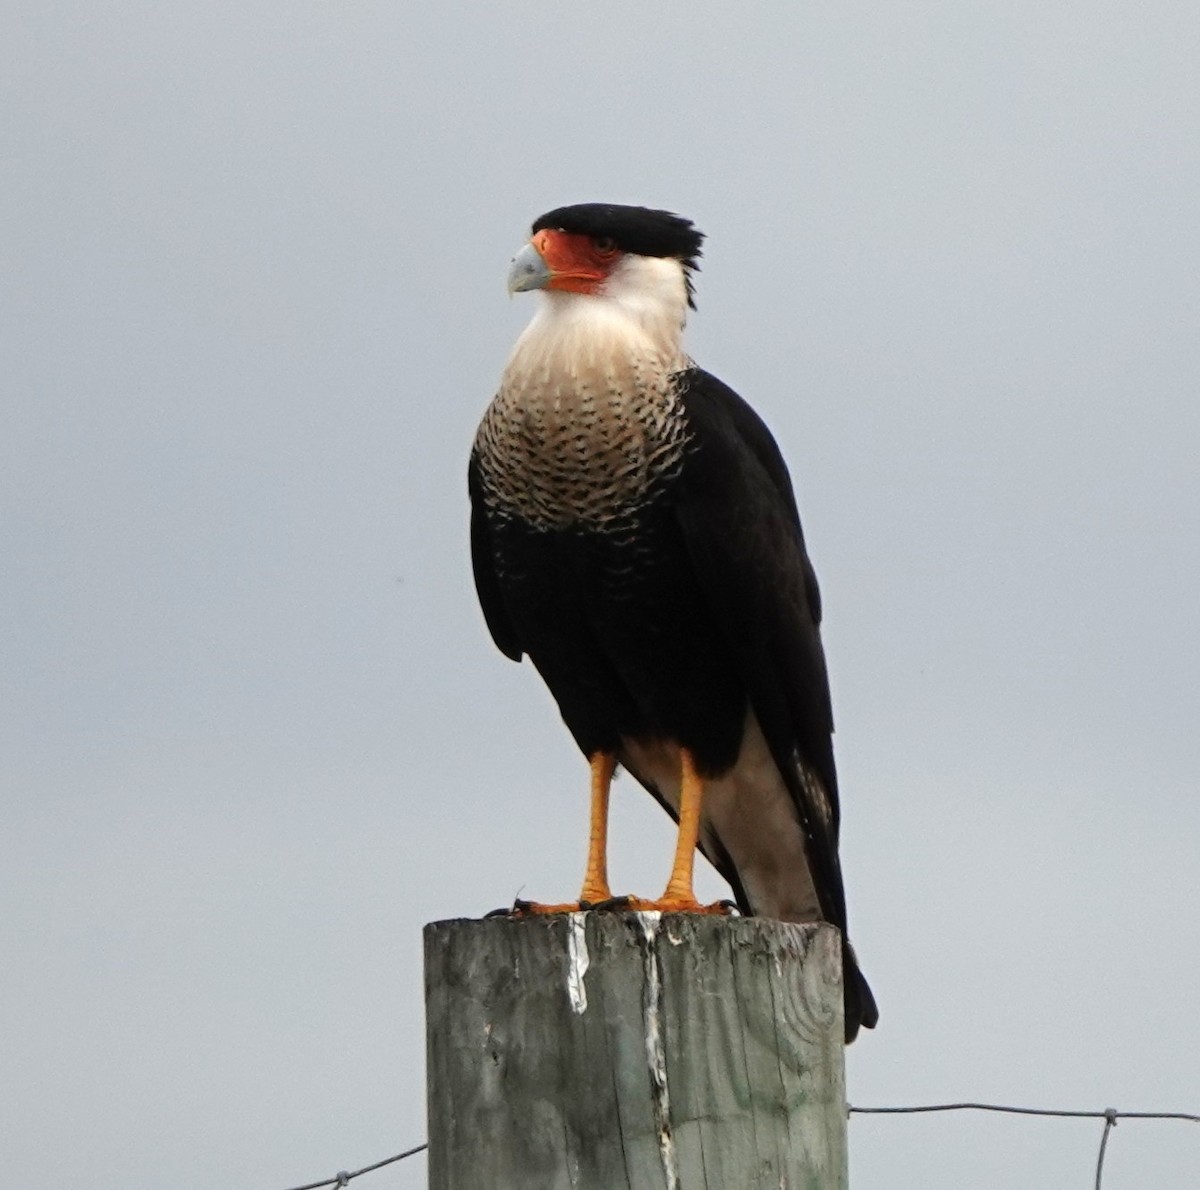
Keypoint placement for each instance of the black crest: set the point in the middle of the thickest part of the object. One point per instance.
(640, 230)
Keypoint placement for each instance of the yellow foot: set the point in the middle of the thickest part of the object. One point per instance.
(670, 903)
(592, 899)
(537, 909)
(665, 904)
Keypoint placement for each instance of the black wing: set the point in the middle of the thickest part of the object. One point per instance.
(483, 562)
(737, 512)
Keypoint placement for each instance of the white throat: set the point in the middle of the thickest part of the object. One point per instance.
(636, 316)
(588, 424)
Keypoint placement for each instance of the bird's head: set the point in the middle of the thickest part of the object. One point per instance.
(602, 249)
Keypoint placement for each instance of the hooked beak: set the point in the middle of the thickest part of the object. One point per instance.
(528, 271)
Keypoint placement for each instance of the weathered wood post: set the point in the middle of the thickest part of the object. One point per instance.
(634, 1051)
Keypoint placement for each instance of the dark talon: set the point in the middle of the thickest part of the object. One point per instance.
(611, 903)
(514, 910)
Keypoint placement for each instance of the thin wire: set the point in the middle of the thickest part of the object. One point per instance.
(1110, 1122)
(1109, 1115)
(1029, 1111)
(343, 1177)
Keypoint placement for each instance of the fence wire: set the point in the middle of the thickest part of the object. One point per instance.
(345, 1177)
(1110, 1116)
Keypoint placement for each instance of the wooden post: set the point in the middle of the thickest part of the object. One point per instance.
(634, 1051)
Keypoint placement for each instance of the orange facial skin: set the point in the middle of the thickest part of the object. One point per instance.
(577, 263)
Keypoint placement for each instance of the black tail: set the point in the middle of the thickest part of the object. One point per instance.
(861, 1011)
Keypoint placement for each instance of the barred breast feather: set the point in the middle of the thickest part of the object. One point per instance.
(584, 446)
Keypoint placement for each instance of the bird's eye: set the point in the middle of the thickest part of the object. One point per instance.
(605, 245)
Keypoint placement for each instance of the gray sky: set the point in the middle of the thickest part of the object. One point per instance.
(253, 731)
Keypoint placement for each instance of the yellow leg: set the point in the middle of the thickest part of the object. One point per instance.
(680, 896)
(595, 880)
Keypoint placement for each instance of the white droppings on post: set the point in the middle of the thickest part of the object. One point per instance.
(577, 963)
(519, 1078)
(656, 1056)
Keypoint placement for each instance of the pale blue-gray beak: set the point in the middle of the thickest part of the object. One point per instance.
(528, 271)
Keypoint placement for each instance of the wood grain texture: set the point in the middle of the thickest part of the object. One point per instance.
(693, 1053)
